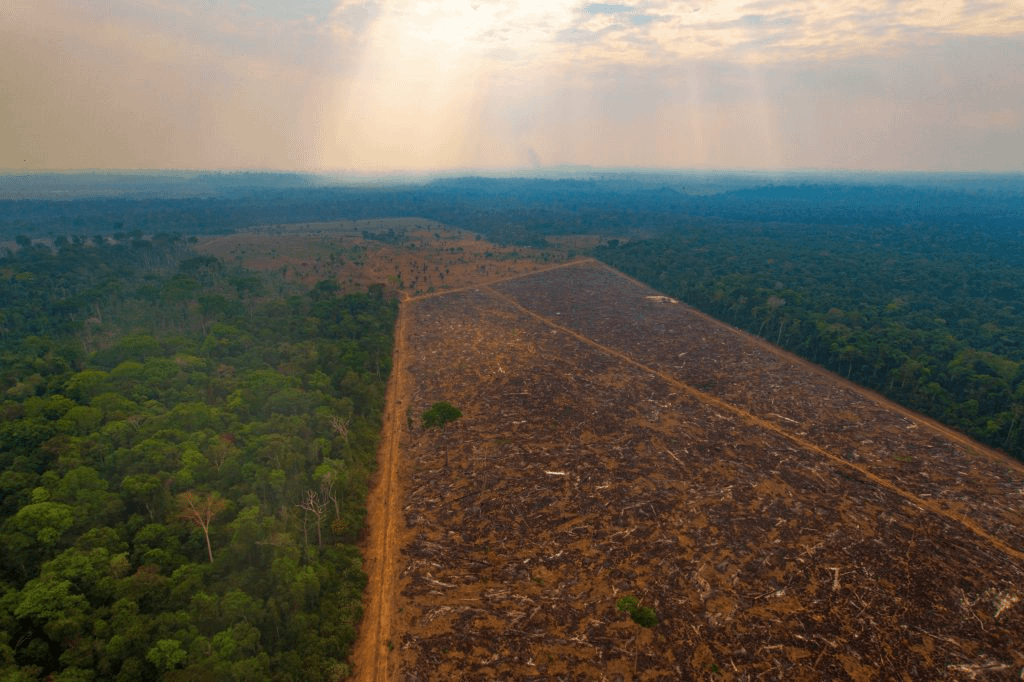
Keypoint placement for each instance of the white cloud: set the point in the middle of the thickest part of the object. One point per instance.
(561, 32)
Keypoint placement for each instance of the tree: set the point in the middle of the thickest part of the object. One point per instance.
(166, 654)
(643, 616)
(437, 417)
(200, 510)
(53, 608)
(43, 521)
(316, 503)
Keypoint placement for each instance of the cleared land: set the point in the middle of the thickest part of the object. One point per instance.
(409, 255)
(782, 523)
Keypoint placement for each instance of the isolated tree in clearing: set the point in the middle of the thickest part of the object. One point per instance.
(437, 417)
(643, 616)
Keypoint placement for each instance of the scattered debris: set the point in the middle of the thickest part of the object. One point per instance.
(764, 555)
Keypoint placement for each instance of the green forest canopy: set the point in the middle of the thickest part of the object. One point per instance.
(184, 455)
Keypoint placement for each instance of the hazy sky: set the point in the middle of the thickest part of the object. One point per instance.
(389, 84)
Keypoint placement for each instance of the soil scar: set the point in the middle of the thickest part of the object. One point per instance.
(497, 280)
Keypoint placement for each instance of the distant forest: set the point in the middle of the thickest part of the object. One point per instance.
(525, 211)
(185, 450)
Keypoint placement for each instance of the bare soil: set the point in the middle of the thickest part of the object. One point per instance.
(370, 656)
(426, 257)
(782, 523)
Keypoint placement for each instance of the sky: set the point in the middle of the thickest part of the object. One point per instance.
(397, 85)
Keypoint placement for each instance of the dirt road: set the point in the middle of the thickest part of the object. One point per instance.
(371, 660)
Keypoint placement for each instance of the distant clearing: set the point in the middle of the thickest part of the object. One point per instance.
(782, 523)
(411, 255)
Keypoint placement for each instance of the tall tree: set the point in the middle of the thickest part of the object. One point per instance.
(200, 510)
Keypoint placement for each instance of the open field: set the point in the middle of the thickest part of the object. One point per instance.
(782, 523)
(409, 255)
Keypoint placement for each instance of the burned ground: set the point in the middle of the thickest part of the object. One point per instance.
(782, 523)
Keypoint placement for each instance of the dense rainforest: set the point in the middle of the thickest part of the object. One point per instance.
(184, 453)
(908, 284)
(930, 317)
(527, 210)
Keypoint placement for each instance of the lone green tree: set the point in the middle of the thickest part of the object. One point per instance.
(437, 417)
(644, 616)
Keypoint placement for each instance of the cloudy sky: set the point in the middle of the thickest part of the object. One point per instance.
(381, 85)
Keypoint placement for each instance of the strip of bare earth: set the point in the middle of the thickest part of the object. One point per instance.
(576, 473)
(370, 657)
(853, 427)
(771, 426)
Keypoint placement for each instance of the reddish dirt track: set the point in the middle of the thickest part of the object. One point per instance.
(370, 657)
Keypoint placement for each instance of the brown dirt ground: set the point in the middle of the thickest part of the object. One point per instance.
(370, 656)
(783, 523)
(430, 257)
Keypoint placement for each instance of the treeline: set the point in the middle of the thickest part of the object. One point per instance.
(184, 455)
(931, 317)
(526, 211)
(147, 184)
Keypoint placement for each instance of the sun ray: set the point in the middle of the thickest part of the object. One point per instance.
(418, 94)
